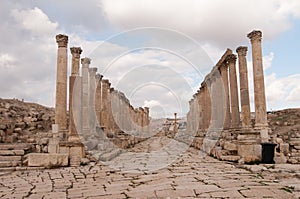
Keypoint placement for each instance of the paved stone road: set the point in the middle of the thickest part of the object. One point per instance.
(190, 176)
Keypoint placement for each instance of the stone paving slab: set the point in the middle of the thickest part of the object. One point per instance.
(190, 176)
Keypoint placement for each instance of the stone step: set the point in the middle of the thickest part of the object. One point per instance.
(295, 143)
(110, 155)
(231, 158)
(7, 169)
(10, 158)
(11, 152)
(16, 146)
(10, 163)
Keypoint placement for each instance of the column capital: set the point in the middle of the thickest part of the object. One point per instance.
(98, 77)
(105, 81)
(85, 61)
(242, 50)
(62, 40)
(255, 35)
(93, 70)
(76, 51)
(231, 58)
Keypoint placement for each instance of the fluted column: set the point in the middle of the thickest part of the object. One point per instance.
(61, 82)
(224, 73)
(258, 76)
(85, 95)
(235, 113)
(244, 89)
(74, 95)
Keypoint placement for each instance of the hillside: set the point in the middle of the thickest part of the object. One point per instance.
(22, 121)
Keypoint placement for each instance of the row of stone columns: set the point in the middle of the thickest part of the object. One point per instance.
(92, 101)
(205, 107)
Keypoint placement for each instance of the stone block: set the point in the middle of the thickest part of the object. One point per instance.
(64, 150)
(47, 160)
(10, 158)
(230, 146)
(264, 135)
(284, 148)
(249, 150)
(52, 148)
(280, 160)
(76, 151)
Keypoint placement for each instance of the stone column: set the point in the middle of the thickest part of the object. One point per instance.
(74, 95)
(175, 123)
(85, 95)
(208, 105)
(147, 118)
(75, 51)
(201, 108)
(244, 90)
(235, 113)
(92, 92)
(224, 73)
(104, 103)
(98, 93)
(61, 82)
(258, 76)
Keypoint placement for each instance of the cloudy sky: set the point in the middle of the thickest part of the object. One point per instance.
(156, 52)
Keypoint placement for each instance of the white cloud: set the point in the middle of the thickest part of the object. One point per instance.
(35, 21)
(222, 23)
(28, 50)
(283, 91)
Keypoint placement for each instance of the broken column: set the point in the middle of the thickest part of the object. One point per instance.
(235, 113)
(74, 96)
(244, 90)
(61, 82)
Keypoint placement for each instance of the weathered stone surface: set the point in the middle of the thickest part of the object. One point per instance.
(230, 146)
(47, 160)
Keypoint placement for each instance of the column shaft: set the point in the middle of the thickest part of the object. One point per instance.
(61, 82)
(258, 76)
(85, 95)
(74, 95)
(235, 113)
(224, 73)
(244, 89)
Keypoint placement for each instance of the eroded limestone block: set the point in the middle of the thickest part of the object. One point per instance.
(284, 148)
(230, 146)
(47, 160)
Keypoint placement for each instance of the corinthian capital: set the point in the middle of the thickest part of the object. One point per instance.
(255, 35)
(231, 58)
(85, 61)
(242, 50)
(62, 40)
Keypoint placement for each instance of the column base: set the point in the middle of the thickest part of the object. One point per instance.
(249, 147)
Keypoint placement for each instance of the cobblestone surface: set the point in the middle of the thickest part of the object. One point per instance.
(190, 176)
